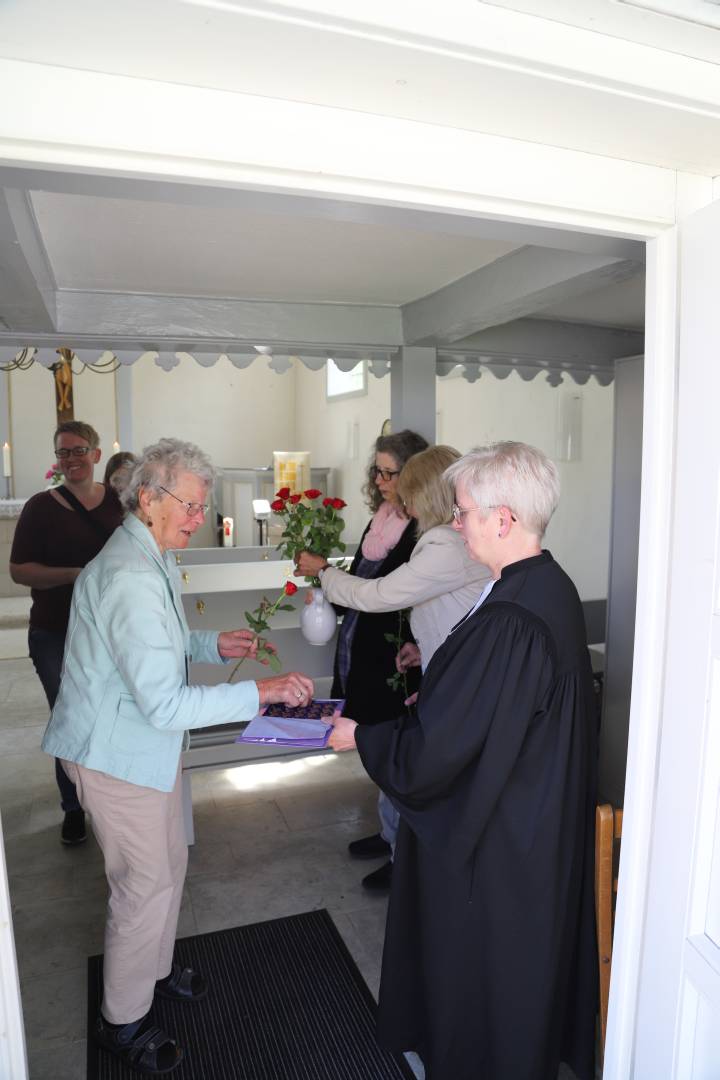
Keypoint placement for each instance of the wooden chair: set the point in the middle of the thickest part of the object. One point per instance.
(608, 832)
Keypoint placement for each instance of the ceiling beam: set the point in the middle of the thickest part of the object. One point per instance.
(196, 319)
(519, 284)
(553, 340)
(27, 286)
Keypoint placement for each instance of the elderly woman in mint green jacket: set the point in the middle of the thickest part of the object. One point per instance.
(118, 726)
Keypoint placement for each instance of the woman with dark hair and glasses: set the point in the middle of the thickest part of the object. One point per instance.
(59, 532)
(118, 725)
(364, 658)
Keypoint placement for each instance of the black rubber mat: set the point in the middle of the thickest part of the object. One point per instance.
(286, 1002)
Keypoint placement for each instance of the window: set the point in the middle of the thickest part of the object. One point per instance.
(345, 384)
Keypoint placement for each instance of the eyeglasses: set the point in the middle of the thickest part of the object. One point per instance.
(458, 511)
(192, 509)
(385, 474)
(75, 451)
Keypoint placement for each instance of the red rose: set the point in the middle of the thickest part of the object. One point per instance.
(312, 493)
(283, 493)
(290, 588)
(295, 499)
(338, 504)
(327, 502)
(278, 506)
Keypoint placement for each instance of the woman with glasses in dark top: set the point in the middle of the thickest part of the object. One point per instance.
(58, 533)
(364, 658)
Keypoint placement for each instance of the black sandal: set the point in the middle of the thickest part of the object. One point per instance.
(142, 1046)
(182, 984)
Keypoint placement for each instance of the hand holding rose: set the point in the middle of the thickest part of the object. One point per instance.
(233, 644)
(309, 565)
(407, 657)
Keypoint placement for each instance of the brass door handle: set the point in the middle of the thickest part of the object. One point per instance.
(186, 577)
(200, 605)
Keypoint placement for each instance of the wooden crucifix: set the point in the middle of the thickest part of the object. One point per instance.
(63, 386)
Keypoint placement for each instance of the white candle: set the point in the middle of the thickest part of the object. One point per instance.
(228, 530)
(7, 465)
(116, 447)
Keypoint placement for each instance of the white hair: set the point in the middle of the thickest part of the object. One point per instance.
(510, 474)
(159, 466)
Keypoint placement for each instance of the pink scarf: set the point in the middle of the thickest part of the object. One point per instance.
(386, 528)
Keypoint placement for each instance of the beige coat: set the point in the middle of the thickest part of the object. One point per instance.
(440, 582)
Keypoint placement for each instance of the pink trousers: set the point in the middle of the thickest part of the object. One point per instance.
(141, 834)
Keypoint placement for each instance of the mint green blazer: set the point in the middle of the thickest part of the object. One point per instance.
(124, 703)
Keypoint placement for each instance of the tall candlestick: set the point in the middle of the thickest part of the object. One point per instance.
(7, 464)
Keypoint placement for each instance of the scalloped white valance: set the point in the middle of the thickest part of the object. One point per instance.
(468, 365)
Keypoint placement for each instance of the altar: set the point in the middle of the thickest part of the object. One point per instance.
(218, 586)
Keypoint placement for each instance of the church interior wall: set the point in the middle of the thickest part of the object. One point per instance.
(32, 422)
(492, 409)
(239, 416)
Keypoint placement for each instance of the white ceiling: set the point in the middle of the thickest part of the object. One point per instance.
(165, 249)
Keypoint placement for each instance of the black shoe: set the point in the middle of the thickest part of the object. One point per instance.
(141, 1045)
(182, 984)
(380, 880)
(73, 827)
(370, 847)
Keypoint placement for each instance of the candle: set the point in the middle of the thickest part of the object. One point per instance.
(7, 465)
(228, 530)
(116, 447)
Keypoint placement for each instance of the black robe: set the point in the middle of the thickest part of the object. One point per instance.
(489, 968)
(368, 698)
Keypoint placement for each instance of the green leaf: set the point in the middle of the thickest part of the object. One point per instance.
(286, 607)
(274, 662)
(391, 638)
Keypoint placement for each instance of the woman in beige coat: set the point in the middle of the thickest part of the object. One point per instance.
(440, 583)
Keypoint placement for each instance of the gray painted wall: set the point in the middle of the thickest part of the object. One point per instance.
(622, 588)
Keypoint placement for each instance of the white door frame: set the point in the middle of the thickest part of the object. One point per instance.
(659, 413)
(516, 183)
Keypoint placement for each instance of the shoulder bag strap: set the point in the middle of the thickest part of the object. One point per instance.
(98, 526)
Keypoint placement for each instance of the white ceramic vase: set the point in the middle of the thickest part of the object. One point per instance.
(318, 619)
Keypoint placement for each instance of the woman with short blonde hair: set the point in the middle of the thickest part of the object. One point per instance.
(440, 582)
(417, 486)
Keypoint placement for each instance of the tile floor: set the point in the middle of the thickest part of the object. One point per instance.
(270, 840)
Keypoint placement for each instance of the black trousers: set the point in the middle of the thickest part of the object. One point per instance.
(46, 652)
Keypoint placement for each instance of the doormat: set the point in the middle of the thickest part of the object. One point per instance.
(286, 1002)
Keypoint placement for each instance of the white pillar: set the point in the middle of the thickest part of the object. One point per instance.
(412, 391)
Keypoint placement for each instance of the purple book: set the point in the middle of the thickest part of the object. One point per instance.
(306, 726)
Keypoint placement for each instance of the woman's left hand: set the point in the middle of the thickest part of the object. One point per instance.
(238, 644)
(309, 565)
(342, 737)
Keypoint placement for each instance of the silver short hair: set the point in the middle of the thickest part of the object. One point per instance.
(159, 466)
(511, 474)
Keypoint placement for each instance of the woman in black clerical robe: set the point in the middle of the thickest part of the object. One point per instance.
(489, 967)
